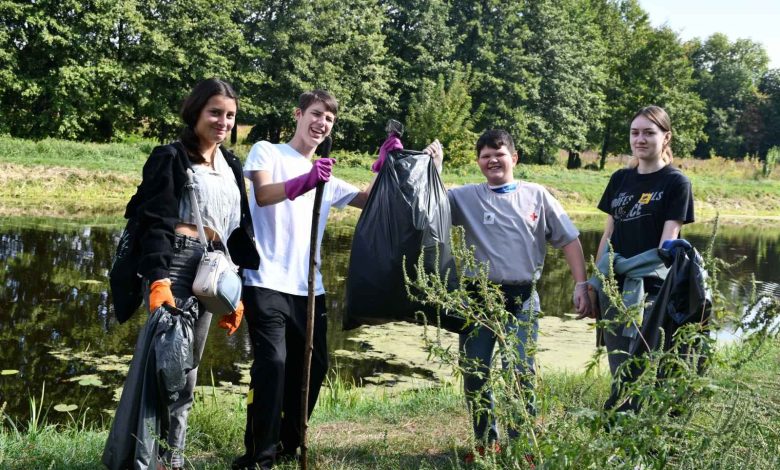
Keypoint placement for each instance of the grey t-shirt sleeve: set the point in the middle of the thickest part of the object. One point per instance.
(559, 229)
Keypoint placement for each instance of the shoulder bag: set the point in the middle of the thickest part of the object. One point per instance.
(124, 280)
(217, 283)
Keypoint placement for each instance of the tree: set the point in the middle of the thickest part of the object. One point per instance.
(330, 44)
(565, 50)
(645, 66)
(670, 84)
(68, 79)
(490, 36)
(420, 45)
(179, 43)
(770, 111)
(441, 110)
(623, 26)
(728, 75)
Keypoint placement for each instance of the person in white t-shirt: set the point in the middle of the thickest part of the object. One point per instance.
(275, 295)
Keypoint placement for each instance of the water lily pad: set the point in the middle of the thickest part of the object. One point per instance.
(87, 380)
(91, 382)
(9, 372)
(113, 367)
(63, 408)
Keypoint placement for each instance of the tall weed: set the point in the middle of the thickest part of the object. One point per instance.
(697, 409)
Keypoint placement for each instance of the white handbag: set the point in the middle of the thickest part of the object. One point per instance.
(217, 283)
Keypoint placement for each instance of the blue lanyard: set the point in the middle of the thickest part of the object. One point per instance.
(507, 188)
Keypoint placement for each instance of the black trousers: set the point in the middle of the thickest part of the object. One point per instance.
(277, 326)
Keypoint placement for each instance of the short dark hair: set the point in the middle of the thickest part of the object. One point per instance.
(192, 107)
(310, 97)
(495, 139)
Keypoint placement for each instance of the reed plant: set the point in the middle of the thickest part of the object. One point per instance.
(736, 426)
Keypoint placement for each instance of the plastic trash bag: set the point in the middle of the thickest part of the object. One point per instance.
(407, 213)
(173, 349)
(151, 384)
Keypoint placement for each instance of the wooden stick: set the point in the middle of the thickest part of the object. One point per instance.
(308, 348)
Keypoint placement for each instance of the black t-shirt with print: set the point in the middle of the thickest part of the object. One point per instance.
(641, 203)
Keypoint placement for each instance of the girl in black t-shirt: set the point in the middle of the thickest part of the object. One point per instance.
(646, 203)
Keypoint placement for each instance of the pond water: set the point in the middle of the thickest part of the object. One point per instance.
(57, 329)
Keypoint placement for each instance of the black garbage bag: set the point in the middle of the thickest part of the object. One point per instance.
(407, 213)
(163, 356)
(173, 348)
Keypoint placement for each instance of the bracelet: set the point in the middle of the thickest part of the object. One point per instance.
(580, 284)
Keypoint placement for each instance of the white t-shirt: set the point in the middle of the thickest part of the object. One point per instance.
(283, 230)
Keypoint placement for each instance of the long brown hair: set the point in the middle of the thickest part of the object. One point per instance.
(191, 108)
(658, 116)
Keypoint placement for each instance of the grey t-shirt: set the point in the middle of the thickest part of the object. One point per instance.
(510, 231)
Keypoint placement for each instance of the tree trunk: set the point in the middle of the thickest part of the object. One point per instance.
(605, 146)
(574, 160)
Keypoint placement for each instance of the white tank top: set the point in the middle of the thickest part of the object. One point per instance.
(218, 198)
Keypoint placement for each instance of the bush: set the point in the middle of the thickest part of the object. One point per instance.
(692, 416)
(772, 157)
(349, 159)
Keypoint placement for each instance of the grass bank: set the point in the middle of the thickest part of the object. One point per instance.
(737, 427)
(81, 180)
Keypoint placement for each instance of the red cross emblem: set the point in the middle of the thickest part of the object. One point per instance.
(534, 216)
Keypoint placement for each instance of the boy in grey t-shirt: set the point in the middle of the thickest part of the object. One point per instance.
(509, 224)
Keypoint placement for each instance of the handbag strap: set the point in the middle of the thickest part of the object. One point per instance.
(196, 208)
(198, 219)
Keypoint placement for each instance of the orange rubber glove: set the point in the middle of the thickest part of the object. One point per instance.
(231, 321)
(160, 293)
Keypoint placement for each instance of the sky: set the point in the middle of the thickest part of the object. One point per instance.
(758, 20)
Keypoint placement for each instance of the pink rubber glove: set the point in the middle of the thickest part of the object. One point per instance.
(320, 172)
(391, 143)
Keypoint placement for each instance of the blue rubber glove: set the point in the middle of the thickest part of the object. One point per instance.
(672, 245)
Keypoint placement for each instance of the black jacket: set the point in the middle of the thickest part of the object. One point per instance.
(684, 298)
(156, 205)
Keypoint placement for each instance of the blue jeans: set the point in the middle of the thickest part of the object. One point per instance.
(477, 353)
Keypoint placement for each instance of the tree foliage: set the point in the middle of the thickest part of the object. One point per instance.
(728, 76)
(442, 110)
(566, 54)
(562, 74)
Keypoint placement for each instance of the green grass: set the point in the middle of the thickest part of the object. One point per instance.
(738, 427)
(70, 179)
(115, 157)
